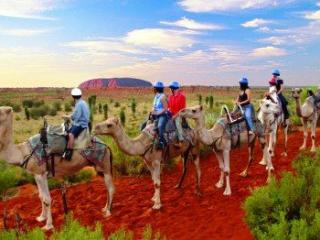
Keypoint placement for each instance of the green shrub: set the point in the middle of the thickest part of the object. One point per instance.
(200, 99)
(100, 108)
(57, 106)
(17, 118)
(133, 106)
(123, 117)
(73, 230)
(121, 234)
(15, 107)
(288, 209)
(116, 104)
(53, 112)
(207, 100)
(28, 103)
(27, 113)
(105, 110)
(67, 107)
(84, 175)
(211, 102)
(41, 111)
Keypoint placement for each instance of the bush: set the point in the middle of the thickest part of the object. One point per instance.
(133, 106)
(27, 113)
(53, 112)
(100, 108)
(211, 102)
(67, 107)
(123, 117)
(28, 103)
(57, 106)
(84, 175)
(15, 107)
(105, 110)
(73, 230)
(288, 209)
(121, 234)
(40, 111)
(200, 99)
(116, 104)
(8, 179)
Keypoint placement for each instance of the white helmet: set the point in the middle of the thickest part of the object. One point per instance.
(76, 92)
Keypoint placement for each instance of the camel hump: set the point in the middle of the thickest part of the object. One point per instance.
(83, 140)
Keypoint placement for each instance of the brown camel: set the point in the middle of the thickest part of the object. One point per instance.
(308, 113)
(143, 145)
(221, 143)
(20, 155)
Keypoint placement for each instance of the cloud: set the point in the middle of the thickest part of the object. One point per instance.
(213, 6)
(257, 22)
(318, 4)
(30, 9)
(157, 38)
(313, 15)
(268, 51)
(274, 40)
(192, 24)
(23, 32)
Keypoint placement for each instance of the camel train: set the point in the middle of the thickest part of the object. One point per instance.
(220, 138)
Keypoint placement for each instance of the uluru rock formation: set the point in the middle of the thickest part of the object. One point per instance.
(114, 83)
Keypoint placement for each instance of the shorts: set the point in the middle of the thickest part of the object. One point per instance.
(76, 130)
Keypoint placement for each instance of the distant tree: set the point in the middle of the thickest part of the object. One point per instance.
(133, 106)
(123, 117)
(200, 99)
(100, 108)
(207, 100)
(27, 113)
(105, 110)
(211, 102)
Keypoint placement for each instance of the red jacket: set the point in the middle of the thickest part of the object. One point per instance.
(176, 102)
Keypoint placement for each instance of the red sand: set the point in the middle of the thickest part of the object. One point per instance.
(183, 216)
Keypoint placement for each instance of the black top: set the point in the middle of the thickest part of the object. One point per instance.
(279, 83)
(243, 97)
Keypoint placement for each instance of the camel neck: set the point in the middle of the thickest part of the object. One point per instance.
(12, 154)
(136, 146)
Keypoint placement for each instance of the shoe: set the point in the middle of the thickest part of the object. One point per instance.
(251, 132)
(160, 146)
(67, 155)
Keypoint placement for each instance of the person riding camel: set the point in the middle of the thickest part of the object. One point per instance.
(316, 96)
(177, 101)
(160, 112)
(80, 121)
(244, 100)
(278, 84)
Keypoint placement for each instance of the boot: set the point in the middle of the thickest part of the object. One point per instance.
(67, 155)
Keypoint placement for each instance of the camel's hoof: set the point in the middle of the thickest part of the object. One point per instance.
(156, 206)
(244, 174)
(198, 193)
(47, 227)
(219, 184)
(177, 186)
(107, 213)
(41, 218)
(313, 149)
(263, 162)
(302, 148)
(153, 199)
(284, 154)
(227, 192)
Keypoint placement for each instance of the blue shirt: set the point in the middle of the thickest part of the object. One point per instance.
(81, 115)
(157, 104)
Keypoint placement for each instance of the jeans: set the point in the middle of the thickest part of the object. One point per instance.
(249, 115)
(161, 121)
(284, 104)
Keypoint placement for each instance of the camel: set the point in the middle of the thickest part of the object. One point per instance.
(20, 155)
(221, 143)
(272, 118)
(143, 145)
(308, 113)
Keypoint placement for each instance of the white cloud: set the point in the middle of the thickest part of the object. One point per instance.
(264, 29)
(274, 40)
(318, 4)
(192, 24)
(268, 51)
(215, 5)
(28, 8)
(257, 22)
(313, 15)
(157, 38)
(24, 32)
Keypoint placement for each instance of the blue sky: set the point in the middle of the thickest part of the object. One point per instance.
(64, 42)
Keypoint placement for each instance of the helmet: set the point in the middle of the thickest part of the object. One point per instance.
(276, 72)
(174, 85)
(244, 80)
(158, 84)
(76, 92)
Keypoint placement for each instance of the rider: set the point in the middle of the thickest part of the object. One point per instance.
(177, 101)
(278, 83)
(244, 100)
(80, 120)
(160, 112)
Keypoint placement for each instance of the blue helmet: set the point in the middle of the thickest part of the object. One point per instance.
(244, 80)
(174, 85)
(158, 84)
(276, 72)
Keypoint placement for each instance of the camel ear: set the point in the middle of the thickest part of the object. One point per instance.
(8, 110)
(117, 121)
(201, 108)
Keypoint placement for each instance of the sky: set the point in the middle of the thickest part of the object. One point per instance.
(61, 43)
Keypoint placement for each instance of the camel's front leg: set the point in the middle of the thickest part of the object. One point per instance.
(273, 140)
(46, 199)
(305, 134)
(244, 173)
(198, 173)
(226, 160)
(110, 187)
(184, 169)
(156, 181)
(313, 133)
(285, 132)
(40, 185)
(219, 156)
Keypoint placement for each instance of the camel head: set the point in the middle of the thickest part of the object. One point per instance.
(295, 93)
(267, 106)
(108, 127)
(192, 112)
(6, 116)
